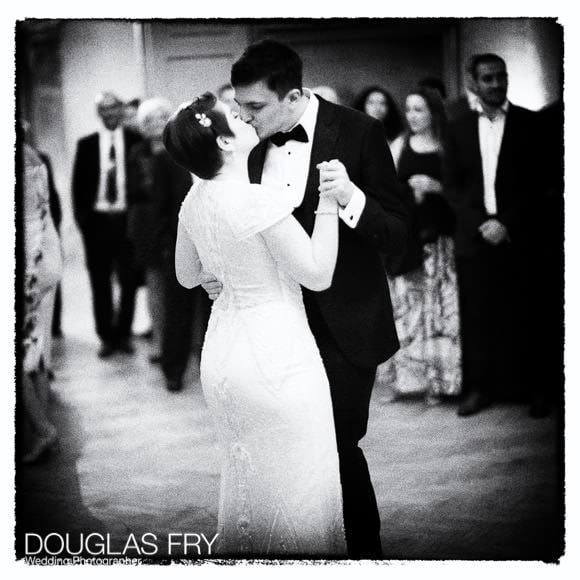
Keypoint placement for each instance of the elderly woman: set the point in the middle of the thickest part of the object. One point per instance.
(159, 186)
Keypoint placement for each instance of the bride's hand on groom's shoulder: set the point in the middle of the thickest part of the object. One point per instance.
(211, 285)
(335, 182)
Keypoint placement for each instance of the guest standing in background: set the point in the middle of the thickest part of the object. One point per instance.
(143, 220)
(130, 120)
(423, 283)
(434, 84)
(52, 326)
(100, 200)
(465, 103)
(158, 187)
(56, 214)
(493, 177)
(42, 272)
(379, 104)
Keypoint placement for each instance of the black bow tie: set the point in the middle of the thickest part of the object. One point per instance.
(297, 134)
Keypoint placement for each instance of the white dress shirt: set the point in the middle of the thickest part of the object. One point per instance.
(288, 166)
(490, 138)
(106, 139)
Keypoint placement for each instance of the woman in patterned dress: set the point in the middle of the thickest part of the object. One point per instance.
(42, 272)
(423, 284)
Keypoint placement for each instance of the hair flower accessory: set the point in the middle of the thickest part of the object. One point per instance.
(203, 119)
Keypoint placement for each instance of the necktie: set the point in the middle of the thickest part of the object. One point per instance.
(297, 134)
(111, 191)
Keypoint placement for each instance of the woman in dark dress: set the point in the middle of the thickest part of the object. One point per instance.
(423, 284)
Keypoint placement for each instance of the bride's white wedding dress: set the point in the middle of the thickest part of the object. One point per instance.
(264, 383)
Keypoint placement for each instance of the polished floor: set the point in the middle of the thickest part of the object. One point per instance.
(135, 458)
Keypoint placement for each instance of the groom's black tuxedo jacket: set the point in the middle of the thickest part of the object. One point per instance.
(357, 307)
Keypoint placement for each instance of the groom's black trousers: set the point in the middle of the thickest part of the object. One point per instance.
(350, 389)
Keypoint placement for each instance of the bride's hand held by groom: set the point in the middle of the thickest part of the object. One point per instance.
(335, 182)
(335, 187)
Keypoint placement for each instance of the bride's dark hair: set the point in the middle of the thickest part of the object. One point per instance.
(190, 136)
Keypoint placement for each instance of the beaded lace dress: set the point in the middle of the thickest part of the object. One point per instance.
(264, 383)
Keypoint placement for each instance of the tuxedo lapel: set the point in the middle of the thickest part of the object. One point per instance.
(256, 162)
(323, 149)
(473, 152)
(505, 151)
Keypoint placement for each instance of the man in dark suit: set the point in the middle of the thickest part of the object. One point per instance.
(100, 198)
(491, 179)
(352, 321)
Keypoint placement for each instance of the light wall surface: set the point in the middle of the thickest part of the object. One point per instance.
(96, 56)
(530, 48)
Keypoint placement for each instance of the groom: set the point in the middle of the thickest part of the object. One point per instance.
(352, 321)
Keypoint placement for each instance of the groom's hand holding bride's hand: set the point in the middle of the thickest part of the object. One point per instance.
(335, 182)
(211, 285)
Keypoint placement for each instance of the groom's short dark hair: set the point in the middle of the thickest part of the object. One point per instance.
(271, 61)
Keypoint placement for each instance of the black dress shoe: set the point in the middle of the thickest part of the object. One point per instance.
(124, 345)
(106, 350)
(473, 404)
(174, 385)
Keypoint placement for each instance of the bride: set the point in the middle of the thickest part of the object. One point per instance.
(261, 372)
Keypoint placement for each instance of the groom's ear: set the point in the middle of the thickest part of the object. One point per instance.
(225, 143)
(293, 96)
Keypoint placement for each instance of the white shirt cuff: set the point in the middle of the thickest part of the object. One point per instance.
(352, 212)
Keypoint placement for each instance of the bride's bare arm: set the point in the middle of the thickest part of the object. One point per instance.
(310, 261)
(187, 263)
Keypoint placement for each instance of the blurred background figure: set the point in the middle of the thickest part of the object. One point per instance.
(424, 283)
(56, 214)
(378, 103)
(327, 93)
(434, 84)
(42, 272)
(158, 186)
(466, 102)
(494, 176)
(130, 114)
(53, 327)
(144, 225)
(226, 94)
(100, 200)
